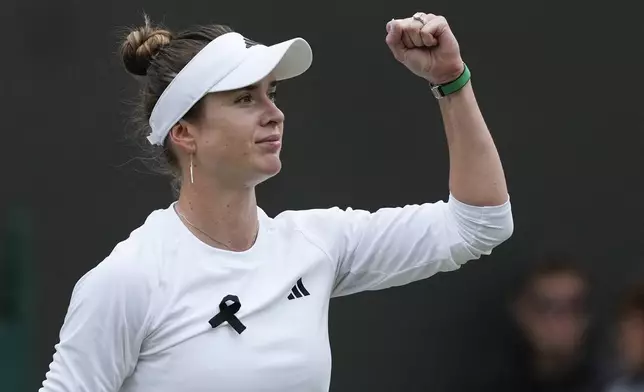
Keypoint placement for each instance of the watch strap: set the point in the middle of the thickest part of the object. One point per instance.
(445, 89)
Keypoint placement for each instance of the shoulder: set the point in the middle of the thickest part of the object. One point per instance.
(322, 223)
(325, 228)
(133, 263)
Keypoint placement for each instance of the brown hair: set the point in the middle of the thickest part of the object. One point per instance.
(154, 55)
(554, 263)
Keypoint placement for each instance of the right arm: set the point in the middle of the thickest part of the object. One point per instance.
(103, 330)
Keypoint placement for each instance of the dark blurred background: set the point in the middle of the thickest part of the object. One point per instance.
(559, 84)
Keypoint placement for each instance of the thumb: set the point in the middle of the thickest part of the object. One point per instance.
(394, 39)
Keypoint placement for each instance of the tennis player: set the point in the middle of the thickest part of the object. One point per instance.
(210, 293)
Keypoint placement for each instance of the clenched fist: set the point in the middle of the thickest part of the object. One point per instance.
(426, 45)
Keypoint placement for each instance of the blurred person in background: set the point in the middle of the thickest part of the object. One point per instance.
(630, 343)
(552, 320)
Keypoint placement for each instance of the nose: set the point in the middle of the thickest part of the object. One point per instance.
(273, 115)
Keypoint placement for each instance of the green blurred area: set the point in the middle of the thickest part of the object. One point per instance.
(16, 294)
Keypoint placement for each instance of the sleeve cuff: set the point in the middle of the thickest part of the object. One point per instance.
(477, 209)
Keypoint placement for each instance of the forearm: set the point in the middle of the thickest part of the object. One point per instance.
(476, 174)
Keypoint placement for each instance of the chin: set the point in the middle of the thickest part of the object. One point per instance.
(269, 167)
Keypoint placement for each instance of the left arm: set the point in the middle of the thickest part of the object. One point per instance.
(395, 246)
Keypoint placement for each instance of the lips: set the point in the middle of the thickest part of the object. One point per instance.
(268, 139)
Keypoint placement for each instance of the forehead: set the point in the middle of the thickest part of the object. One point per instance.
(268, 83)
(561, 284)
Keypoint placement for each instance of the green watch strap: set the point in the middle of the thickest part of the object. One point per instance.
(443, 90)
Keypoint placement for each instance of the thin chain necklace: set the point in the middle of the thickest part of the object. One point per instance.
(183, 217)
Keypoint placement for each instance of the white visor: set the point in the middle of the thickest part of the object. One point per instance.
(225, 64)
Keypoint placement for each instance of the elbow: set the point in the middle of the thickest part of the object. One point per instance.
(505, 228)
(492, 234)
(480, 233)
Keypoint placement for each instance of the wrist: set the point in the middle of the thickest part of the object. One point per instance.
(457, 99)
(451, 73)
(453, 85)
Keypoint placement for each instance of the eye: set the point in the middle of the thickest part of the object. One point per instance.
(272, 96)
(246, 98)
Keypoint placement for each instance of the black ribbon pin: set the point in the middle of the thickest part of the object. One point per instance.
(227, 313)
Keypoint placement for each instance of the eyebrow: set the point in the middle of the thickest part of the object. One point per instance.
(256, 86)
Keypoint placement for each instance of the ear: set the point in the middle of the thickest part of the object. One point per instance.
(183, 135)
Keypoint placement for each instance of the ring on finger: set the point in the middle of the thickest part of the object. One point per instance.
(419, 17)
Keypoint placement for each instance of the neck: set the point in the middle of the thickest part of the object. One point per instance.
(226, 218)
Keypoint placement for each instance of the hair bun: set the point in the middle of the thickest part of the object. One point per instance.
(141, 45)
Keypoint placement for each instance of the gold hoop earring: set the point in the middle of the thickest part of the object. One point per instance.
(192, 176)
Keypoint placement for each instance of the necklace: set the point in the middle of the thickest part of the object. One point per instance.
(183, 217)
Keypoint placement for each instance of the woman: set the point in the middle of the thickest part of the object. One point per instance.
(211, 294)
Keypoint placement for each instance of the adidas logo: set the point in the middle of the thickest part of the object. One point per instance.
(298, 290)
